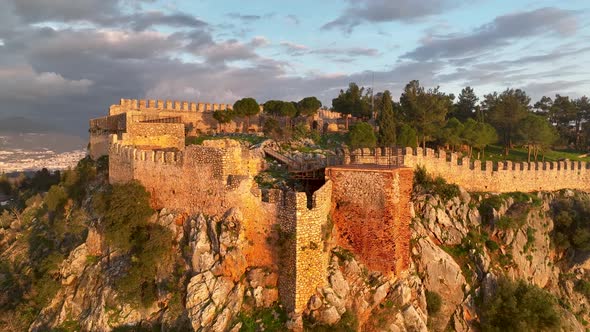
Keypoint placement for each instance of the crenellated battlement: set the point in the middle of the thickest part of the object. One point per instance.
(126, 105)
(504, 176)
(128, 153)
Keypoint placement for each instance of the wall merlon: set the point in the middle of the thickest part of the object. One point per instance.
(142, 104)
(169, 157)
(169, 104)
(185, 106)
(193, 107)
(161, 104)
(466, 163)
(177, 105)
(429, 152)
(201, 107)
(159, 157)
(151, 103)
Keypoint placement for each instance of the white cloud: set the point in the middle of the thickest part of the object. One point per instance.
(24, 83)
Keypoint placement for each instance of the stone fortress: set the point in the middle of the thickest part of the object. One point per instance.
(367, 204)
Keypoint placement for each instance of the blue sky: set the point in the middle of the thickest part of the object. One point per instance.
(66, 61)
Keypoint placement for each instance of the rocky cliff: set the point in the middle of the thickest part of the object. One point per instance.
(464, 246)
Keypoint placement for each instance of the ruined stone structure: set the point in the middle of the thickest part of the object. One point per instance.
(473, 175)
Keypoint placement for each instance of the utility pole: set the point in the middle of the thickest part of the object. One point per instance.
(372, 96)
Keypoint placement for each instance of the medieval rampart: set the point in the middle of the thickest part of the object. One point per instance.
(205, 179)
(127, 105)
(473, 175)
(197, 117)
(190, 177)
(502, 176)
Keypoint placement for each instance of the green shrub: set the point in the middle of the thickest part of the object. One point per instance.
(583, 287)
(125, 209)
(266, 319)
(433, 302)
(92, 260)
(271, 127)
(436, 186)
(492, 245)
(487, 207)
(56, 198)
(519, 306)
(102, 165)
(505, 223)
(530, 239)
(572, 223)
(343, 254)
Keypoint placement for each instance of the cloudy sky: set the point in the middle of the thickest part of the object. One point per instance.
(66, 61)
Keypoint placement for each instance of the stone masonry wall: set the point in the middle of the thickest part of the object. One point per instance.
(503, 176)
(489, 176)
(98, 145)
(162, 135)
(304, 259)
(196, 180)
(197, 116)
(188, 180)
(371, 214)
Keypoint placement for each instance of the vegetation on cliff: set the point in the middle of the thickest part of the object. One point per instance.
(40, 229)
(147, 247)
(521, 257)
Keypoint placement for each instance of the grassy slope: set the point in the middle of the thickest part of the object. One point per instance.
(496, 153)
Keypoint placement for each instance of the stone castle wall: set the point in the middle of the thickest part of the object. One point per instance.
(127, 105)
(155, 135)
(503, 176)
(198, 117)
(304, 258)
(188, 179)
(208, 179)
(370, 209)
(473, 175)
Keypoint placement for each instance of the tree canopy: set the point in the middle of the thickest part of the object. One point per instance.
(424, 110)
(361, 135)
(536, 132)
(466, 105)
(308, 106)
(352, 102)
(505, 111)
(246, 107)
(478, 135)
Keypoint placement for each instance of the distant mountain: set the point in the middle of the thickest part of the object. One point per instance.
(19, 133)
(21, 125)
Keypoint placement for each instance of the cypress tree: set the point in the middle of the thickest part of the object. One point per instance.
(386, 121)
